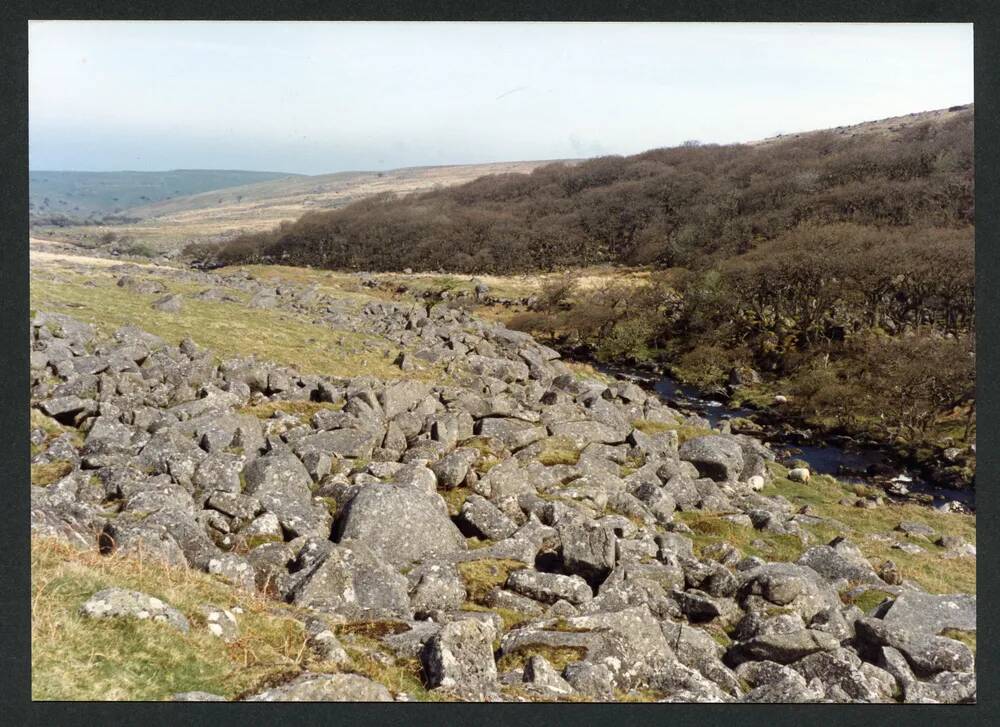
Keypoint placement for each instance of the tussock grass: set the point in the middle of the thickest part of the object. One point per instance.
(44, 475)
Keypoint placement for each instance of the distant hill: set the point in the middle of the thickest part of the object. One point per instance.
(290, 197)
(222, 213)
(83, 195)
(686, 206)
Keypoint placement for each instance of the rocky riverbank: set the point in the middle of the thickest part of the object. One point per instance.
(508, 529)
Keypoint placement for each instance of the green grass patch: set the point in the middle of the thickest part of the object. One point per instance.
(75, 658)
(866, 600)
(228, 329)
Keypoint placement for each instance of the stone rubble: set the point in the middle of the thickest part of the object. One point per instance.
(351, 514)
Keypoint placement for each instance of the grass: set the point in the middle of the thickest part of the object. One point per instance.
(558, 656)
(684, 431)
(455, 498)
(482, 576)
(966, 637)
(709, 528)
(511, 619)
(74, 658)
(397, 674)
(823, 494)
(868, 599)
(52, 428)
(557, 451)
(44, 475)
(226, 328)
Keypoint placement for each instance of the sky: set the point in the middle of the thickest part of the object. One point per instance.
(322, 97)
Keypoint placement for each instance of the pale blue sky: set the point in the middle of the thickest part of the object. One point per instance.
(325, 97)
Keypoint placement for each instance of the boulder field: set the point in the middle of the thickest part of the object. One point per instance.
(511, 526)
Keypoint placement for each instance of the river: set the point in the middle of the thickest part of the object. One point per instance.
(849, 463)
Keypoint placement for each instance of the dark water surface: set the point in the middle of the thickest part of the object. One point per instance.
(847, 463)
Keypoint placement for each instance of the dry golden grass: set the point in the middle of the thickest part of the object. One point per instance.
(45, 474)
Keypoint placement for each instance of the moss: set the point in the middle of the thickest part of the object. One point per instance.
(966, 637)
(455, 498)
(558, 656)
(482, 576)
(511, 619)
(562, 624)
(866, 600)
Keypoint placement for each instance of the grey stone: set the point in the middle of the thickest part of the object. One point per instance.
(549, 587)
(401, 524)
(485, 519)
(931, 614)
(460, 657)
(353, 582)
(311, 687)
(121, 603)
(717, 457)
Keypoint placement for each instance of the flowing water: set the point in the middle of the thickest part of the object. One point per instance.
(848, 463)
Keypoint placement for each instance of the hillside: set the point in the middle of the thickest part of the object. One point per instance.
(90, 195)
(668, 207)
(278, 484)
(833, 267)
(221, 214)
